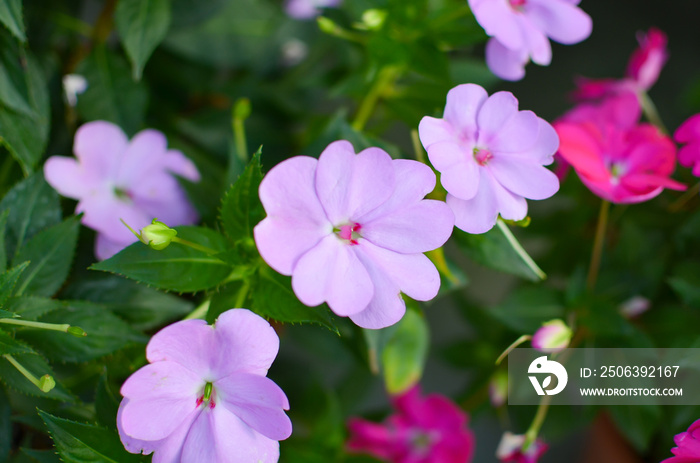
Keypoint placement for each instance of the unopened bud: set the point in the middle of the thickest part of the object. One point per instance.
(373, 19)
(46, 383)
(498, 388)
(552, 337)
(76, 331)
(157, 235)
(326, 25)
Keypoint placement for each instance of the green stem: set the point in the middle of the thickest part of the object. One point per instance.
(598, 245)
(690, 193)
(65, 328)
(418, 147)
(200, 311)
(534, 430)
(241, 111)
(520, 340)
(242, 295)
(45, 384)
(652, 115)
(196, 246)
(519, 249)
(386, 78)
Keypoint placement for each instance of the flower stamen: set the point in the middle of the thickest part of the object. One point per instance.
(349, 232)
(482, 156)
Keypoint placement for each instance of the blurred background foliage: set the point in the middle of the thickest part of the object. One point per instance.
(366, 72)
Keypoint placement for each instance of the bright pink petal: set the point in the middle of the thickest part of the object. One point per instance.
(579, 148)
(220, 436)
(528, 179)
(506, 63)
(432, 130)
(561, 21)
(689, 156)
(331, 272)
(350, 185)
(160, 396)
(99, 146)
(459, 172)
(188, 342)
(463, 104)
(372, 438)
(69, 177)
(688, 130)
(258, 401)
(647, 61)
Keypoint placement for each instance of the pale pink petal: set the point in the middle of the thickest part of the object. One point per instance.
(510, 205)
(99, 146)
(506, 63)
(188, 342)
(102, 212)
(179, 164)
(106, 248)
(525, 178)
(160, 396)
(144, 155)
(245, 342)
(421, 227)
(332, 273)
(170, 204)
(281, 241)
(432, 130)
(257, 401)
(498, 20)
(519, 133)
(496, 112)
(219, 436)
(414, 274)
(69, 177)
(535, 41)
(462, 106)
(561, 21)
(350, 185)
(131, 444)
(459, 172)
(169, 450)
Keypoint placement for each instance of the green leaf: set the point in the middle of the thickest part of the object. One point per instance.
(11, 346)
(241, 208)
(405, 353)
(32, 205)
(688, 292)
(5, 426)
(491, 249)
(14, 91)
(112, 94)
(38, 367)
(4, 214)
(25, 135)
(273, 298)
(106, 403)
(50, 253)
(142, 25)
(11, 17)
(81, 443)
(527, 308)
(32, 307)
(188, 12)
(142, 307)
(8, 280)
(235, 294)
(42, 456)
(106, 333)
(175, 268)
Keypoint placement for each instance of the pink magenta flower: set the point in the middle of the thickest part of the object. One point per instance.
(307, 9)
(114, 178)
(351, 229)
(204, 396)
(490, 156)
(519, 31)
(429, 429)
(553, 336)
(689, 135)
(510, 449)
(687, 448)
(618, 164)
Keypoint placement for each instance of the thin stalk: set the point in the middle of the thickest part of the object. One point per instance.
(418, 147)
(594, 267)
(200, 311)
(690, 193)
(242, 295)
(65, 328)
(386, 78)
(45, 383)
(519, 249)
(534, 430)
(652, 115)
(196, 246)
(520, 340)
(241, 111)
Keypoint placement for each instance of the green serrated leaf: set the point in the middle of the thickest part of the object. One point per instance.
(8, 280)
(81, 443)
(50, 253)
(175, 268)
(25, 135)
(241, 208)
(142, 25)
(106, 333)
(106, 403)
(4, 214)
(234, 295)
(491, 249)
(42, 456)
(11, 346)
(36, 365)
(14, 91)
(11, 17)
(405, 353)
(32, 307)
(112, 94)
(272, 297)
(32, 205)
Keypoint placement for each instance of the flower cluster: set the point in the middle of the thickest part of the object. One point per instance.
(351, 229)
(116, 179)
(205, 396)
(510, 449)
(428, 429)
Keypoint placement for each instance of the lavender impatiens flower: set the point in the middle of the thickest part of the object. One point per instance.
(520, 31)
(307, 9)
(351, 230)
(490, 156)
(204, 396)
(114, 178)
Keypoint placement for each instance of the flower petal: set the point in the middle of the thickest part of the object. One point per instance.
(506, 63)
(106, 248)
(432, 130)
(331, 272)
(69, 177)
(524, 178)
(463, 104)
(498, 20)
(143, 156)
(99, 146)
(350, 185)
(258, 401)
(518, 134)
(103, 211)
(189, 343)
(459, 171)
(496, 112)
(561, 21)
(179, 164)
(161, 395)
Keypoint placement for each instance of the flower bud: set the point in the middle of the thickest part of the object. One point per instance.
(552, 337)
(498, 388)
(46, 383)
(373, 19)
(510, 449)
(157, 235)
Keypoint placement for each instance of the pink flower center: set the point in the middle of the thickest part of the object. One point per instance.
(482, 156)
(122, 194)
(207, 398)
(517, 4)
(422, 441)
(349, 232)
